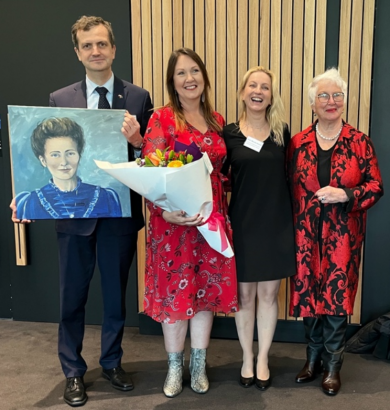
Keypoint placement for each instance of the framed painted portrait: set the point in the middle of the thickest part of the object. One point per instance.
(54, 173)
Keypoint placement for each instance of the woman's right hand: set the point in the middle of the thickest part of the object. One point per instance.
(180, 218)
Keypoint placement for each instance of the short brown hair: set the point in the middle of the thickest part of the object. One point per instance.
(85, 23)
(55, 128)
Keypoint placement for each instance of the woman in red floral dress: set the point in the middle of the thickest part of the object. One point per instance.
(186, 281)
(334, 178)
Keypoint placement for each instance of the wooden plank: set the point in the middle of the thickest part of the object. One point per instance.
(276, 14)
(220, 79)
(355, 56)
(210, 51)
(242, 46)
(253, 33)
(286, 58)
(147, 61)
(188, 24)
(199, 31)
(308, 61)
(297, 93)
(264, 42)
(136, 44)
(20, 236)
(344, 42)
(366, 66)
(141, 255)
(320, 37)
(167, 46)
(157, 53)
(231, 75)
(177, 25)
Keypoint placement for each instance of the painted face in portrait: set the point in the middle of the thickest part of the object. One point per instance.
(95, 50)
(257, 94)
(61, 158)
(188, 79)
(325, 106)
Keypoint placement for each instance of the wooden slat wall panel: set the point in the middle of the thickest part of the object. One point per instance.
(210, 57)
(265, 21)
(188, 24)
(276, 14)
(233, 35)
(220, 78)
(242, 40)
(136, 42)
(177, 26)
(308, 60)
(297, 66)
(354, 71)
(167, 28)
(286, 48)
(253, 33)
(200, 30)
(344, 43)
(366, 65)
(158, 76)
(231, 64)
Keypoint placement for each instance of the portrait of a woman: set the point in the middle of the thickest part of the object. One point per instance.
(58, 144)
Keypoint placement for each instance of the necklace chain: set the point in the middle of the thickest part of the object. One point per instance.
(247, 125)
(329, 138)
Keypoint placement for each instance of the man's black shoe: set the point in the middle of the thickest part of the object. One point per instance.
(119, 378)
(74, 394)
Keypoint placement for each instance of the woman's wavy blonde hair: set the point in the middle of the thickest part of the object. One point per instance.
(275, 111)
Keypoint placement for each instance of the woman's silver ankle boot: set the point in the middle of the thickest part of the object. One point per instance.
(199, 380)
(174, 380)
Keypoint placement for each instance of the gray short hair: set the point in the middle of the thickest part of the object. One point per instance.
(331, 74)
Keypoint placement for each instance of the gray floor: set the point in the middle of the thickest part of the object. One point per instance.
(31, 377)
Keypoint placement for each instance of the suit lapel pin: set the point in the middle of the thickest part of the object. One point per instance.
(120, 96)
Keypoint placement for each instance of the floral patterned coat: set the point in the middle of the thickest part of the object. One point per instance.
(328, 285)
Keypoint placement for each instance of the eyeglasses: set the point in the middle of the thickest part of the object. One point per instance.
(324, 97)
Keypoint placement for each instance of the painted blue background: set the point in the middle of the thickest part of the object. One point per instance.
(103, 141)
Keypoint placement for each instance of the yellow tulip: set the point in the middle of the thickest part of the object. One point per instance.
(175, 164)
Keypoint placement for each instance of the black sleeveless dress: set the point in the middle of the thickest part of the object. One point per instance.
(260, 208)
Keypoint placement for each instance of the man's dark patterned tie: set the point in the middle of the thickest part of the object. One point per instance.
(103, 102)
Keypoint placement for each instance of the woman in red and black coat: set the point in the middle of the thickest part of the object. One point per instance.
(334, 178)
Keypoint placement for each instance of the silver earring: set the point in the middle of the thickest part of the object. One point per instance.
(202, 98)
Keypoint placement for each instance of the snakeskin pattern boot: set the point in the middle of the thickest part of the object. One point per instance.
(173, 382)
(199, 380)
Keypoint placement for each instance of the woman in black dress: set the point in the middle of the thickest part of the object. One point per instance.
(261, 214)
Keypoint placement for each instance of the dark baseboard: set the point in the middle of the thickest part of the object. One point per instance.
(290, 331)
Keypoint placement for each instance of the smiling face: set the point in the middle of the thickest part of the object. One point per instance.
(61, 158)
(188, 79)
(257, 93)
(95, 50)
(330, 110)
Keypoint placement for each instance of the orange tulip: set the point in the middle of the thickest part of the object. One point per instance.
(154, 159)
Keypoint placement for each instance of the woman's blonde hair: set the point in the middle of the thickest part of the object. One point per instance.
(174, 101)
(275, 111)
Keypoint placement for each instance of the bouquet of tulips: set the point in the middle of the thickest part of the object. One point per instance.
(167, 158)
(176, 180)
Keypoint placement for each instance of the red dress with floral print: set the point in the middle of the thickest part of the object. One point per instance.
(184, 275)
(327, 285)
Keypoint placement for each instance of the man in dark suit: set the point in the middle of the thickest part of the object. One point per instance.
(111, 240)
